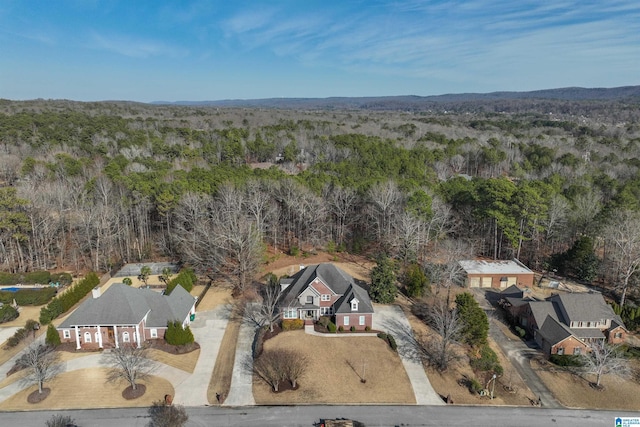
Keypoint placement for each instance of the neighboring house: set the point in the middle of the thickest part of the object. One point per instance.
(498, 274)
(125, 315)
(567, 323)
(325, 290)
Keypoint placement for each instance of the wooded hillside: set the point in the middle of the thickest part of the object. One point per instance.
(88, 185)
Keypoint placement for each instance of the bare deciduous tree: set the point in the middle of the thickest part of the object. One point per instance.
(128, 363)
(276, 366)
(41, 363)
(266, 313)
(605, 359)
(623, 242)
(447, 325)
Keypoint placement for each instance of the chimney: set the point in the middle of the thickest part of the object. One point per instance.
(95, 292)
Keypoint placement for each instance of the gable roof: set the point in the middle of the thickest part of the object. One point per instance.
(336, 279)
(540, 310)
(332, 276)
(553, 331)
(583, 307)
(123, 305)
(512, 291)
(343, 305)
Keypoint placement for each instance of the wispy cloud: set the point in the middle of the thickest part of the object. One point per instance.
(134, 47)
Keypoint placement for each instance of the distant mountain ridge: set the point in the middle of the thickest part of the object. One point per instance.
(422, 102)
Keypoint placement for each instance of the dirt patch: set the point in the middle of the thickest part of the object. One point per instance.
(130, 393)
(282, 264)
(575, 391)
(334, 371)
(37, 397)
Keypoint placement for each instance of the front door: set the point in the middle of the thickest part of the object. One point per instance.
(309, 314)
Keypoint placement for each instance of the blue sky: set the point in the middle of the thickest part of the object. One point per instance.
(140, 50)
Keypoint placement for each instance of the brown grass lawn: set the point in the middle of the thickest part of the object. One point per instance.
(186, 362)
(330, 379)
(216, 295)
(86, 388)
(574, 390)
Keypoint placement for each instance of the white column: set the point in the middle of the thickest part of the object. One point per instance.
(77, 338)
(99, 337)
(115, 334)
(138, 335)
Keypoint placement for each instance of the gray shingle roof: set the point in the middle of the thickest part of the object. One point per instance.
(553, 331)
(343, 305)
(512, 291)
(336, 279)
(541, 310)
(124, 305)
(586, 307)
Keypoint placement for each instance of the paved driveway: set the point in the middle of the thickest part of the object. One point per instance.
(391, 319)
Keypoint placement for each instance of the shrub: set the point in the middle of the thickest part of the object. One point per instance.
(186, 278)
(22, 333)
(292, 324)
(475, 386)
(331, 327)
(352, 329)
(566, 360)
(52, 338)
(367, 328)
(8, 313)
(294, 251)
(34, 277)
(324, 321)
(341, 328)
(487, 362)
(392, 342)
(521, 332)
(382, 336)
(176, 334)
(60, 421)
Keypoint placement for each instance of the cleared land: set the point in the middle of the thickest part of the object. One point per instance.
(68, 392)
(334, 368)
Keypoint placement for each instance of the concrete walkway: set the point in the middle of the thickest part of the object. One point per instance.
(241, 390)
(208, 330)
(391, 319)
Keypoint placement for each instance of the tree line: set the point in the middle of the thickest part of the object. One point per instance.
(86, 186)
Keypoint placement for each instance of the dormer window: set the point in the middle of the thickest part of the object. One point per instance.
(354, 304)
(309, 299)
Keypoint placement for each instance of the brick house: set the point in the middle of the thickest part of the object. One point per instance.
(567, 323)
(325, 290)
(125, 315)
(498, 274)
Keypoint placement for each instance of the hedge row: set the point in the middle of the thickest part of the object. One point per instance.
(292, 324)
(34, 277)
(22, 333)
(28, 296)
(62, 303)
(389, 340)
(186, 278)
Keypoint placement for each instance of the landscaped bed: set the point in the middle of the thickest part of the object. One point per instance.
(335, 367)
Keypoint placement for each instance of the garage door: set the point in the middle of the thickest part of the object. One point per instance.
(512, 281)
(474, 282)
(486, 282)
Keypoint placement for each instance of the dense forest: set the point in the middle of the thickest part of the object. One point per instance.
(554, 183)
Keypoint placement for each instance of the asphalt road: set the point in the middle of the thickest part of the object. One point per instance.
(379, 416)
